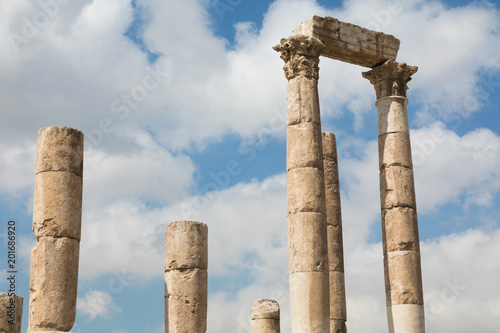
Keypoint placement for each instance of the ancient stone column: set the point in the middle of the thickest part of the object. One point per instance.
(11, 313)
(307, 234)
(186, 262)
(57, 226)
(265, 316)
(403, 277)
(338, 313)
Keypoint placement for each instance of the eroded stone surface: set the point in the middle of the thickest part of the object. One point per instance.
(57, 205)
(337, 326)
(400, 230)
(348, 42)
(392, 115)
(186, 300)
(403, 278)
(303, 101)
(59, 149)
(331, 175)
(305, 190)
(394, 149)
(11, 313)
(265, 309)
(186, 245)
(304, 146)
(53, 284)
(335, 248)
(307, 244)
(337, 296)
(397, 188)
(390, 78)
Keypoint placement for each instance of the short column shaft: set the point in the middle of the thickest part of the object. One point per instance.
(307, 231)
(57, 227)
(265, 316)
(11, 312)
(338, 312)
(186, 262)
(402, 267)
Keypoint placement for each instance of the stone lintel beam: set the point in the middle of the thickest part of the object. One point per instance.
(350, 43)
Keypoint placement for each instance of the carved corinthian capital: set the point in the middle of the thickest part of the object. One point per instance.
(390, 78)
(301, 56)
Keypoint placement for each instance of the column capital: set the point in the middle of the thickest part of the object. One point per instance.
(301, 56)
(390, 78)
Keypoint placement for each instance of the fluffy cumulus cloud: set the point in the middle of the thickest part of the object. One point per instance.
(97, 303)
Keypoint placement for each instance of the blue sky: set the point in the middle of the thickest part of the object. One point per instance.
(216, 98)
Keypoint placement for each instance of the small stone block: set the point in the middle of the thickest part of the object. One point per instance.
(400, 230)
(59, 149)
(303, 101)
(57, 205)
(403, 278)
(397, 188)
(304, 146)
(305, 190)
(186, 245)
(53, 284)
(11, 312)
(307, 243)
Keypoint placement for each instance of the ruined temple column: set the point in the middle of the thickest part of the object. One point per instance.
(57, 227)
(186, 262)
(307, 232)
(338, 313)
(265, 316)
(403, 277)
(11, 313)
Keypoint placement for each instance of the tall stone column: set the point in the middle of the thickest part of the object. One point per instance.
(307, 232)
(11, 313)
(186, 262)
(57, 227)
(338, 313)
(403, 277)
(265, 316)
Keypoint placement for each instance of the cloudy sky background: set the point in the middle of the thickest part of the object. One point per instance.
(183, 107)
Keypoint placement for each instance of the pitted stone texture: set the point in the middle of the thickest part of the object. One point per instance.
(57, 206)
(406, 318)
(308, 306)
(265, 316)
(394, 149)
(337, 296)
(390, 78)
(59, 149)
(335, 248)
(331, 175)
(337, 326)
(265, 309)
(400, 230)
(301, 56)
(403, 278)
(305, 190)
(186, 301)
(348, 42)
(392, 115)
(307, 243)
(303, 101)
(304, 146)
(53, 284)
(11, 310)
(397, 188)
(265, 326)
(186, 245)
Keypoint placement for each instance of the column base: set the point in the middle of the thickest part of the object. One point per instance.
(406, 318)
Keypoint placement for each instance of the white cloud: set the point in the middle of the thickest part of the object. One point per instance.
(96, 303)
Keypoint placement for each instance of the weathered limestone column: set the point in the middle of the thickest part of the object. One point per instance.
(265, 316)
(307, 234)
(186, 262)
(403, 277)
(57, 227)
(11, 313)
(338, 313)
